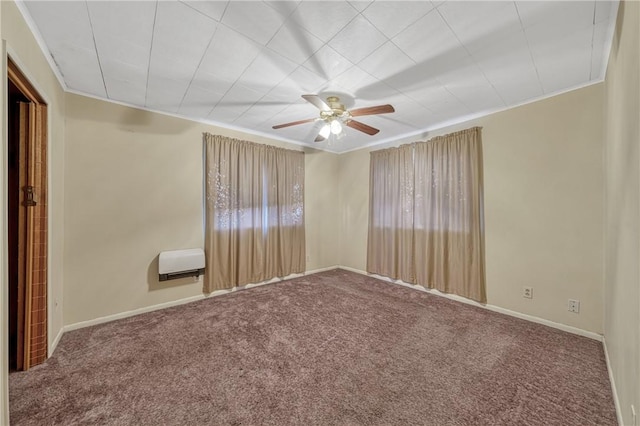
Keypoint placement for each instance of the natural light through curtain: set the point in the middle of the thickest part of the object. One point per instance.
(426, 223)
(254, 225)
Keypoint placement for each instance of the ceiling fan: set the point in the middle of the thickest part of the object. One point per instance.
(334, 115)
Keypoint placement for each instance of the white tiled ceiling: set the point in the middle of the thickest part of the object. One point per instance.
(245, 64)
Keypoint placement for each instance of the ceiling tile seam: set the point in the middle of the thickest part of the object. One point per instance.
(391, 40)
(383, 34)
(593, 34)
(261, 47)
(247, 38)
(324, 44)
(473, 59)
(267, 94)
(310, 70)
(259, 99)
(434, 10)
(240, 76)
(405, 27)
(593, 31)
(335, 35)
(454, 96)
(401, 91)
(256, 103)
(533, 61)
(267, 120)
(275, 51)
(153, 31)
(289, 14)
(95, 47)
(198, 11)
(273, 35)
(428, 109)
(195, 72)
(365, 8)
(224, 12)
(284, 21)
(232, 86)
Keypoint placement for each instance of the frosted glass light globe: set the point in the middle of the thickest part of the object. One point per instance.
(336, 127)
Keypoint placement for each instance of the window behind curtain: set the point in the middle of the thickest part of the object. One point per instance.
(426, 214)
(254, 220)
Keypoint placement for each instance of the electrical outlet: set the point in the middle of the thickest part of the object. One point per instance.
(527, 292)
(573, 306)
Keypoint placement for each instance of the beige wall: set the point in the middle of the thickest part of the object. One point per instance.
(543, 206)
(622, 209)
(134, 189)
(25, 52)
(23, 49)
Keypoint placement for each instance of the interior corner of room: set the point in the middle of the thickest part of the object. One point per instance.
(561, 205)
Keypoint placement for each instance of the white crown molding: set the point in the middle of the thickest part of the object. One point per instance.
(608, 44)
(200, 121)
(40, 41)
(402, 138)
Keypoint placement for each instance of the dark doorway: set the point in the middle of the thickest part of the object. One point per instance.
(16, 289)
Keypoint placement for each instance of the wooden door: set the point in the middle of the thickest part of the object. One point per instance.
(32, 224)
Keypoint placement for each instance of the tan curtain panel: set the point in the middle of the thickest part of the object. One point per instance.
(390, 244)
(446, 248)
(254, 212)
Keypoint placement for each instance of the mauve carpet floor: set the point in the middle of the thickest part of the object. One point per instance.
(334, 348)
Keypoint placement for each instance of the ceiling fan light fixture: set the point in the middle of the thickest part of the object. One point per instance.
(336, 127)
(335, 117)
(325, 131)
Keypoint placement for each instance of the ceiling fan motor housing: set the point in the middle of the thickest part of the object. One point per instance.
(338, 111)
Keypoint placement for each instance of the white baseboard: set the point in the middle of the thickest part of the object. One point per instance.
(55, 342)
(138, 311)
(616, 401)
(127, 314)
(151, 308)
(559, 326)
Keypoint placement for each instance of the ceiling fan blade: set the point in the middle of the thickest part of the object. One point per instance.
(362, 127)
(380, 109)
(317, 102)
(294, 123)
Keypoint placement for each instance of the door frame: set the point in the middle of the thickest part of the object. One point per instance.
(10, 59)
(4, 256)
